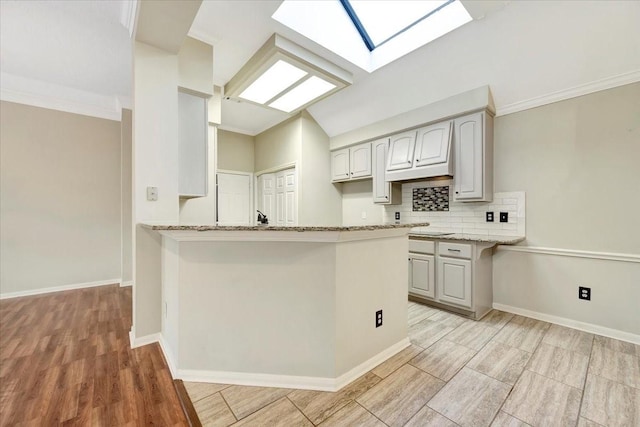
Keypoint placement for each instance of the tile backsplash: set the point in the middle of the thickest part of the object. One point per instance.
(426, 199)
(461, 217)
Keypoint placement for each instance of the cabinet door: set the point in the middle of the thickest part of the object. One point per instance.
(401, 151)
(421, 275)
(468, 154)
(340, 165)
(193, 130)
(432, 144)
(360, 160)
(454, 281)
(381, 188)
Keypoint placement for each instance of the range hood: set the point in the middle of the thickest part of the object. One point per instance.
(421, 153)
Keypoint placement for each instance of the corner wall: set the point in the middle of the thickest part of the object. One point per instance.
(59, 200)
(578, 162)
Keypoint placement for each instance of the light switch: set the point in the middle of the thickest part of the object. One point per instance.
(152, 194)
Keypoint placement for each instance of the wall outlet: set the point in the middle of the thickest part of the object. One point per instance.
(378, 318)
(489, 216)
(397, 216)
(152, 194)
(363, 215)
(584, 293)
(504, 216)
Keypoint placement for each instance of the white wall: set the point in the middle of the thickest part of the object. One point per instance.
(59, 199)
(578, 162)
(155, 126)
(279, 145)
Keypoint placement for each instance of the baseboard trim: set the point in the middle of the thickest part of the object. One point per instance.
(127, 283)
(41, 291)
(290, 381)
(607, 256)
(570, 323)
(573, 92)
(168, 356)
(144, 340)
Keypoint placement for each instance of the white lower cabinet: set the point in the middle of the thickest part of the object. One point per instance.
(422, 275)
(454, 281)
(452, 275)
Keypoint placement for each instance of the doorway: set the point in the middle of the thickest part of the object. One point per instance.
(278, 197)
(235, 198)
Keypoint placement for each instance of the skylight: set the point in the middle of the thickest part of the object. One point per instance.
(379, 21)
(393, 27)
(280, 76)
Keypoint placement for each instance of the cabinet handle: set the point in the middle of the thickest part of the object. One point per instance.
(418, 160)
(408, 161)
(453, 250)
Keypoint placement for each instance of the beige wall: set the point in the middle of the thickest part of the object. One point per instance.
(319, 201)
(279, 145)
(195, 66)
(60, 199)
(126, 137)
(236, 152)
(578, 161)
(357, 197)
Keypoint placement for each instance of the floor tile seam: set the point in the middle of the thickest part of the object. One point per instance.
(368, 411)
(434, 410)
(554, 380)
(233, 414)
(286, 396)
(590, 371)
(564, 348)
(528, 368)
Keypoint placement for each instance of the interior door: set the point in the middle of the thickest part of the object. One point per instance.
(234, 199)
(267, 195)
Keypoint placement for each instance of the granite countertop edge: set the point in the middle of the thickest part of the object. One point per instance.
(502, 240)
(160, 227)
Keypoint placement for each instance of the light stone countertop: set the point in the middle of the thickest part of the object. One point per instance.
(160, 227)
(484, 238)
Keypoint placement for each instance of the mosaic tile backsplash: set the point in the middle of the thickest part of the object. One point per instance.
(431, 199)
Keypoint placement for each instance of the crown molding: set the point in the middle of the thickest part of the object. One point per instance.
(42, 94)
(128, 15)
(572, 92)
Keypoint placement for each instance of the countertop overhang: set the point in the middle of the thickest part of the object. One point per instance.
(481, 238)
(281, 234)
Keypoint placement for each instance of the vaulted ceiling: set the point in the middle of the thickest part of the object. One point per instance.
(529, 52)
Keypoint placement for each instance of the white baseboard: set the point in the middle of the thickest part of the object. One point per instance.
(570, 323)
(144, 340)
(127, 283)
(290, 381)
(40, 291)
(169, 356)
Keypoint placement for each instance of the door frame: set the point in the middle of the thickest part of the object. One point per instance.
(277, 169)
(252, 195)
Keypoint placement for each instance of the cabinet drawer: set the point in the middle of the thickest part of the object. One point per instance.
(422, 246)
(455, 250)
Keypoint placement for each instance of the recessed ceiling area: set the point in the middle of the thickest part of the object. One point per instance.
(524, 50)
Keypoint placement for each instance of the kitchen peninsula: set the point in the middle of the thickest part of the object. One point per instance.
(282, 306)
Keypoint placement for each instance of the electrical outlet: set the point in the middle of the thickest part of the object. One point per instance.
(378, 318)
(363, 215)
(504, 216)
(397, 216)
(489, 216)
(584, 293)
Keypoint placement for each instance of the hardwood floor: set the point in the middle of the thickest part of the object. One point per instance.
(504, 370)
(65, 359)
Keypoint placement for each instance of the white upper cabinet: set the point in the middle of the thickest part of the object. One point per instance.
(401, 151)
(340, 165)
(351, 163)
(193, 129)
(384, 192)
(473, 156)
(432, 144)
(360, 160)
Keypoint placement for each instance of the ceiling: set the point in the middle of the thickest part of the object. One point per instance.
(78, 45)
(527, 51)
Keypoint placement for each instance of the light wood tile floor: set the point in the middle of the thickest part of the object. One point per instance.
(504, 370)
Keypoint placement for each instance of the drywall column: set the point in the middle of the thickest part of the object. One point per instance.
(126, 153)
(155, 164)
